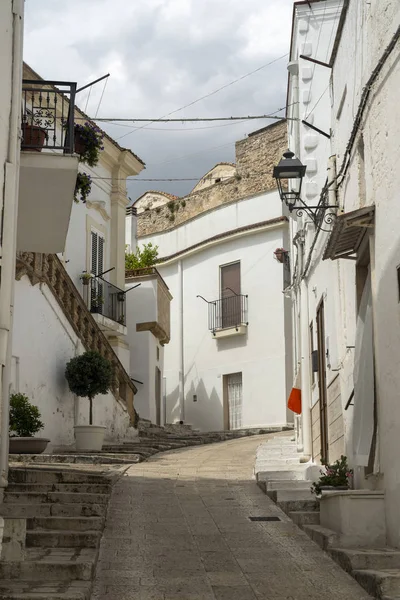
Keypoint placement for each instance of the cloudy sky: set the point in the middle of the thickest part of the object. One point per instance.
(162, 55)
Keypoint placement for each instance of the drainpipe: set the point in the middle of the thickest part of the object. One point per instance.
(305, 373)
(181, 345)
(9, 235)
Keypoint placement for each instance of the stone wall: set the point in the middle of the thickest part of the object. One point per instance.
(255, 158)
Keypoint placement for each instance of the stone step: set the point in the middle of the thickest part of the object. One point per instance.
(289, 506)
(325, 538)
(62, 497)
(36, 590)
(275, 463)
(289, 484)
(48, 510)
(302, 517)
(43, 564)
(88, 488)
(292, 494)
(66, 523)
(41, 475)
(287, 472)
(81, 459)
(62, 539)
(380, 583)
(375, 559)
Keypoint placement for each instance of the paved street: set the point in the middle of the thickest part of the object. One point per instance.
(179, 528)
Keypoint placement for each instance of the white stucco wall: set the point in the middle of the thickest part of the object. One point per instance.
(43, 342)
(368, 30)
(260, 354)
(142, 307)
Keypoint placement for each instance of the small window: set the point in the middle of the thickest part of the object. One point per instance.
(218, 179)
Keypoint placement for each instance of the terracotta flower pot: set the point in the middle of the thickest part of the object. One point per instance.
(33, 137)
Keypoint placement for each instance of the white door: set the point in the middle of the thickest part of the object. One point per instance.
(235, 400)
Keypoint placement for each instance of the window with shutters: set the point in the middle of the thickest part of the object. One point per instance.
(97, 268)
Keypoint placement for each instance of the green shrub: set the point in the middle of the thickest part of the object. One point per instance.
(24, 417)
(143, 257)
(88, 375)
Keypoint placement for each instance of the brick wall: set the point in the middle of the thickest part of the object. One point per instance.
(255, 158)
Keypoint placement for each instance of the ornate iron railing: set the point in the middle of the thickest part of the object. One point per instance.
(107, 299)
(230, 311)
(48, 115)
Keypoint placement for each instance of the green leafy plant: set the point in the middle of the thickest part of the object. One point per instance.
(337, 474)
(143, 257)
(85, 277)
(88, 143)
(83, 187)
(88, 375)
(24, 417)
(171, 206)
(183, 203)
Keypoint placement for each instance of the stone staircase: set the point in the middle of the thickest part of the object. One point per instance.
(65, 515)
(151, 440)
(285, 480)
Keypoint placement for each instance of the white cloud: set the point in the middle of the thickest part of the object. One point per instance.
(163, 54)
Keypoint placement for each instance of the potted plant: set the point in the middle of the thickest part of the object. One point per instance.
(33, 137)
(24, 423)
(280, 254)
(335, 477)
(88, 375)
(83, 187)
(85, 277)
(95, 304)
(88, 143)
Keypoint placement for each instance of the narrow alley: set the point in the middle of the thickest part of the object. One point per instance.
(179, 527)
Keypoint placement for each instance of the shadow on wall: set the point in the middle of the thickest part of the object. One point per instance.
(204, 411)
(230, 343)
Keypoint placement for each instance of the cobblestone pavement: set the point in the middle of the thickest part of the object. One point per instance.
(178, 529)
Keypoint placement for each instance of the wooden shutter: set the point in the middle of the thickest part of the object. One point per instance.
(230, 278)
(93, 266)
(100, 255)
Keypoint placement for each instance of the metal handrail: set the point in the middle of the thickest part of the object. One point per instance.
(108, 300)
(230, 311)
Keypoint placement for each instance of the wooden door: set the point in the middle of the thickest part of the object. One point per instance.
(158, 396)
(230, 294)
(323, 403)
(233, 401)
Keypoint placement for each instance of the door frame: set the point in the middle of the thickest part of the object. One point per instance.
(323, 392)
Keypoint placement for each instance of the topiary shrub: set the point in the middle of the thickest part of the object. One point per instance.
(88, 375)
(24, 417)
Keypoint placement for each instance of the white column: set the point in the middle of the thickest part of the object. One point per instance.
(181, 344)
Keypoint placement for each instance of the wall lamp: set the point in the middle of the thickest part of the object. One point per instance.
(290, 168)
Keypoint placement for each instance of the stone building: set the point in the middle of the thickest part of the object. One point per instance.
(230, 322)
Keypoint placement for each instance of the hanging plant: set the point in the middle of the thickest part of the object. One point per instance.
(88, 143)
(83, 187)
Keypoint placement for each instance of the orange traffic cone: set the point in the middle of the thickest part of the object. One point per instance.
(294, 402)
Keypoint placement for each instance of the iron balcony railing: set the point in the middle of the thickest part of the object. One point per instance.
(107, 299)
(230, 311)
(48, 115)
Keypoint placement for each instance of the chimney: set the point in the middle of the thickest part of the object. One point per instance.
(131, 229)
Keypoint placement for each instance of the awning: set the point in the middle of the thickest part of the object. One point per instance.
(348, 232)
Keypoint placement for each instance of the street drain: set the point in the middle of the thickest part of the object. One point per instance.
(264, 518)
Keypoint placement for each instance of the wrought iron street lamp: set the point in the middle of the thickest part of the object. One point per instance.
(290, 169)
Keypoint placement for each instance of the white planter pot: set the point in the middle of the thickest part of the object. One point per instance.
(89, 437)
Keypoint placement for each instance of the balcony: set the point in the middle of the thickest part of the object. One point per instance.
(48, 166)
(107, 305)
(151, 308)
(228, 316)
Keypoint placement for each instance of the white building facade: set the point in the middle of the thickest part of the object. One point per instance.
(225, 365)
(56, 316)
(353, 268)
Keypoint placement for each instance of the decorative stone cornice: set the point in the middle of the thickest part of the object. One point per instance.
(100, 206)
